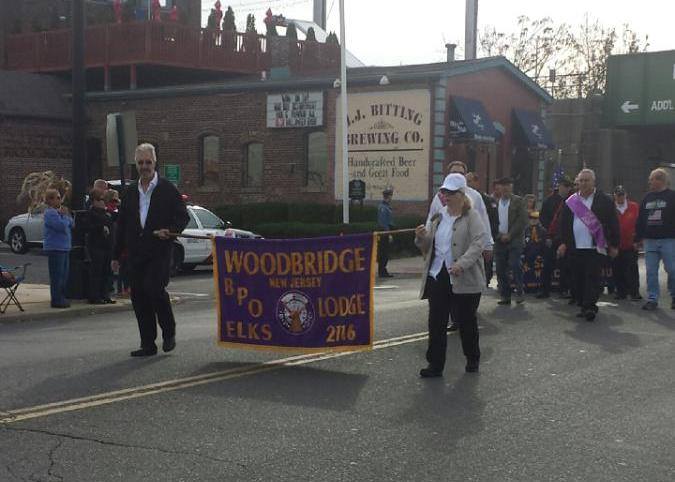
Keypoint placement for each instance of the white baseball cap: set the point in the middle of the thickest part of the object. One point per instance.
(454, 182)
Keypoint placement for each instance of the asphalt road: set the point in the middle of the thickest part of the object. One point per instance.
(556, 399)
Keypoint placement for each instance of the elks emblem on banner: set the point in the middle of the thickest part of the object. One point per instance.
(305, 295)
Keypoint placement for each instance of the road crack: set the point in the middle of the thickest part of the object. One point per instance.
(113, 444)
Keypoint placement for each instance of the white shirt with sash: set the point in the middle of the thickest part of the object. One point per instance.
(583, 239)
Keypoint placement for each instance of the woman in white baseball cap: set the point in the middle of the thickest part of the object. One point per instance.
(453, 276)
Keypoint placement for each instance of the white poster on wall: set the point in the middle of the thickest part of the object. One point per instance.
(389, 143)
(295, 109)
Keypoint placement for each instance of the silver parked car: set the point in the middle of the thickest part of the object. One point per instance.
(26, 230)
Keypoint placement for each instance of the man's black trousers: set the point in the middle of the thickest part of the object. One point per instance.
(588, 265)
(148, 281)
(99, 269)
(462, 308)
(383, 254)
(625, 272)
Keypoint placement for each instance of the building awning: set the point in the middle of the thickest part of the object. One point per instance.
(469, 121)
(533, 131)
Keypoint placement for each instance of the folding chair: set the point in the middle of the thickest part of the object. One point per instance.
(10, 284)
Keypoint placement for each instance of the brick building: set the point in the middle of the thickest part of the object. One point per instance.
(35, 133)
(216, 133)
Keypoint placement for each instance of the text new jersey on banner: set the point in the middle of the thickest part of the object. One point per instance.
(305, 295)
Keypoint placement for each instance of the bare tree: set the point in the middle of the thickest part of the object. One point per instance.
(536, 45)
(576, 59)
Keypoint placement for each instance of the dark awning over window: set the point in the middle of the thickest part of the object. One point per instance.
(470, 122)
(533, 131)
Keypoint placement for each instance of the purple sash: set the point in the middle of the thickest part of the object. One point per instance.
(589, 219)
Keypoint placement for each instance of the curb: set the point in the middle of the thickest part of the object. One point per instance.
(78, 311)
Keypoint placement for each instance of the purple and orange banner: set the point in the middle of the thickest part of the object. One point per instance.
(303, 295)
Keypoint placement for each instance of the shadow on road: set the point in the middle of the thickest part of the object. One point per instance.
(603, 333)
(294, 386)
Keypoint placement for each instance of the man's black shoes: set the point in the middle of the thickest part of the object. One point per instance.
(144, 352)
(543, 295)
(453, 327)
(386, 275)
(504, 301)
(430, 372)
(169, 344)
(471, 366)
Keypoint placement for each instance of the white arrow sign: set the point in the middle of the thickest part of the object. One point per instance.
(627, 107)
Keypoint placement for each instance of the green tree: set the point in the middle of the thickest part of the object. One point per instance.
(292, 32)
(250, 23)
(228, 22)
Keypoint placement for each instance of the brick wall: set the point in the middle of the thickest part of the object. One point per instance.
(176, 125)
(28, 146)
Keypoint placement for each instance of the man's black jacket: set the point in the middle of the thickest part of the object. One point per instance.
(548, 209)
(604, 209)
(167, 211)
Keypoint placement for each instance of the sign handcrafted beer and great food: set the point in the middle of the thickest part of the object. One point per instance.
(389, 141)
(305, 295)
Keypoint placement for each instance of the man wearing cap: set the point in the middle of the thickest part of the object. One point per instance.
(656, 229)
(625, 265)
(385, 222)
(550, 220)
(513, 221)
(589, 229)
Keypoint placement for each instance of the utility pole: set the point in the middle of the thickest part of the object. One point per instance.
(471, 29)
(79, 164)
(343, 99)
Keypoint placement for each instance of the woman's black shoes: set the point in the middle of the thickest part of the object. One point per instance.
(169, 344)
(430, 372)
(144, 352)
(471, 367)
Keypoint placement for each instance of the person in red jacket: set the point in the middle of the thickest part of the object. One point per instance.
(625, 265)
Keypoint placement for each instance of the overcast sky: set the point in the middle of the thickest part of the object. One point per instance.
(393, 32)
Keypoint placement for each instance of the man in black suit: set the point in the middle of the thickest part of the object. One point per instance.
(151, 208)
(589, 228)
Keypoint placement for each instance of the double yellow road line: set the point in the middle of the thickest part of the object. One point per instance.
(187, 382)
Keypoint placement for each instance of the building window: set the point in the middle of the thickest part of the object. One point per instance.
(209, 159)
(253, 165)
(316, 170)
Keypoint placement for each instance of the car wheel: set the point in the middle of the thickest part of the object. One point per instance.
(176, 259)
(17, 241)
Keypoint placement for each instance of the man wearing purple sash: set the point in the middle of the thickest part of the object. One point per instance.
(589, 229)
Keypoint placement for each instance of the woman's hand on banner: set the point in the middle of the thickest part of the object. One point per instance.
(421, 231)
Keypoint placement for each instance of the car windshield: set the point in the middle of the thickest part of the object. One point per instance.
(208, 219)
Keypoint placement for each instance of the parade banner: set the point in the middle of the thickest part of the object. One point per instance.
(303, 295)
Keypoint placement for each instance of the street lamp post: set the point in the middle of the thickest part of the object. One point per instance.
(79, 166)
(343, 99)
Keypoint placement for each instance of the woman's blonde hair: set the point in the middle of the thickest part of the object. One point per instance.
(466, 203)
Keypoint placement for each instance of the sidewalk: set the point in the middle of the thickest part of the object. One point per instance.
(36, 302)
